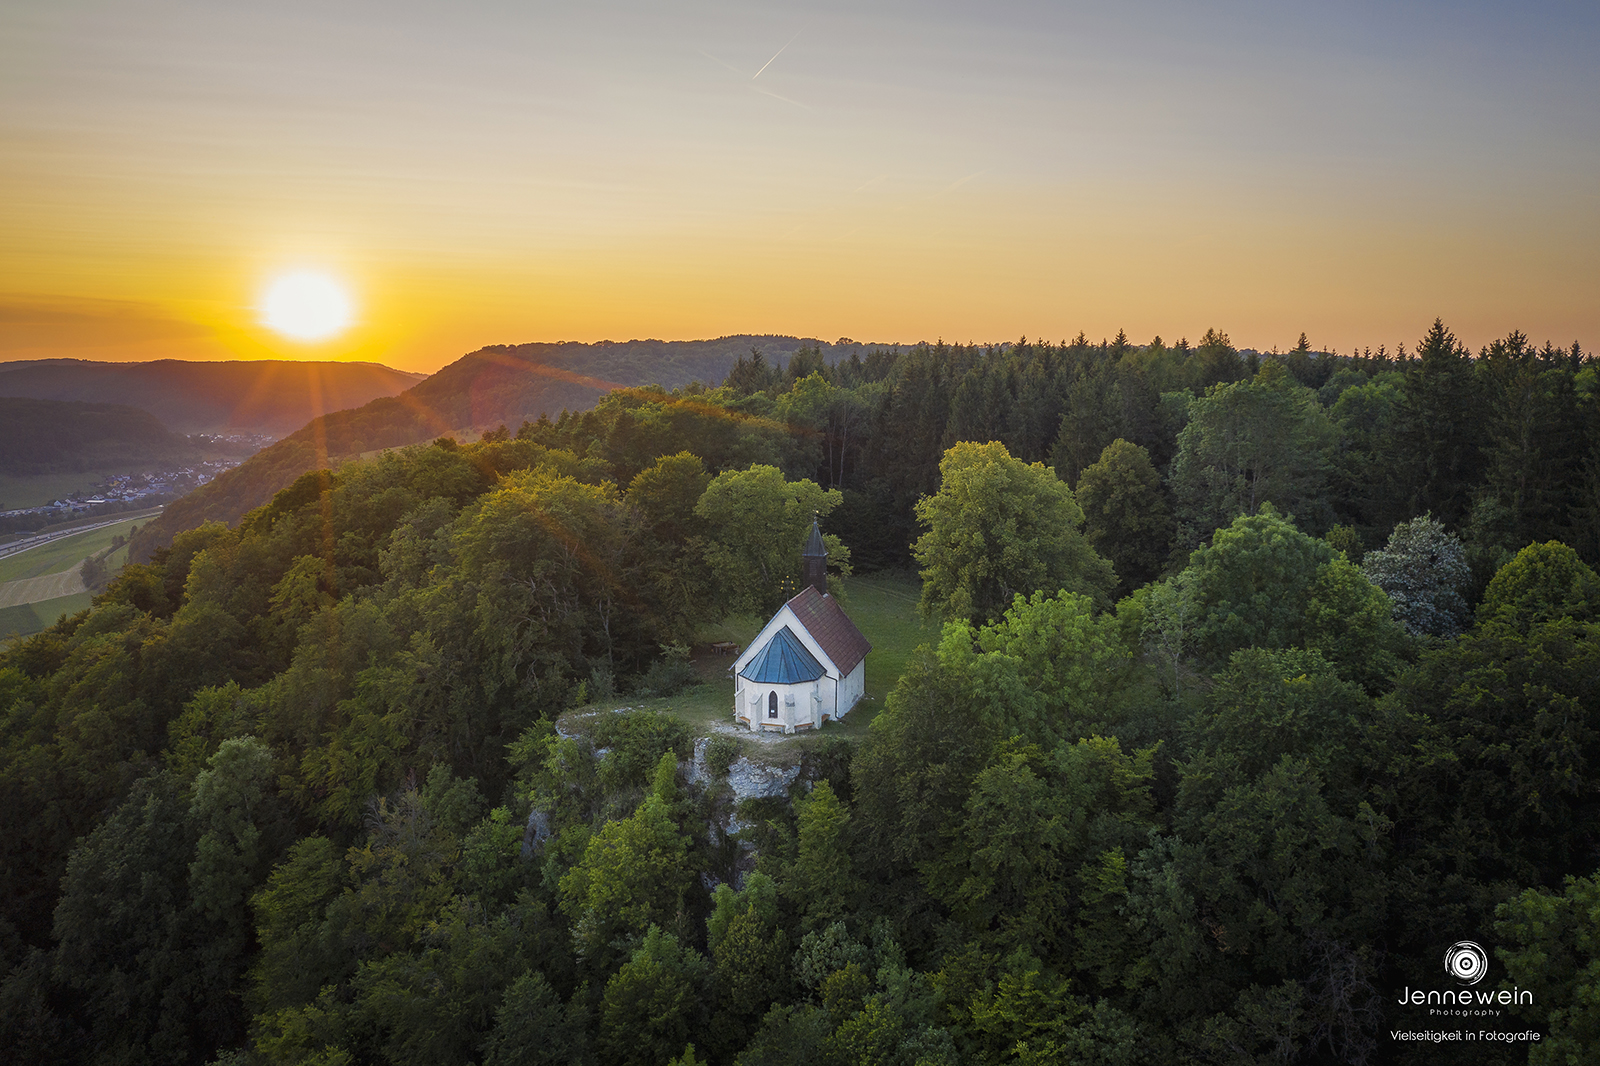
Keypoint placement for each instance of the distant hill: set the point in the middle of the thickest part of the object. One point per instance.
(501, 384)
(54, 437)
(269, 396)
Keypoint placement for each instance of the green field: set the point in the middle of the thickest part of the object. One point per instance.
(39, 489)
(62, 555)
(25, 619)
(883, 606)
(117, 559)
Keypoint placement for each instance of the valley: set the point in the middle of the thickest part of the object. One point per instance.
(41, 577)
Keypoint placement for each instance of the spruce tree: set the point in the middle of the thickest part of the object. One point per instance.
(1437, 456)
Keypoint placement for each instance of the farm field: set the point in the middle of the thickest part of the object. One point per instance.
(61, 555)
(25, 619)
(41, 584)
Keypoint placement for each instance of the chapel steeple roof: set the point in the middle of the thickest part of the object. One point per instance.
(814, 560)
(814, 546)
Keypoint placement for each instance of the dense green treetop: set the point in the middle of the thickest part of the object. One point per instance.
(1544, 582)
(1126, 515)
(753, 521)
(998, 527)
(1263, 583)
(1247, 444)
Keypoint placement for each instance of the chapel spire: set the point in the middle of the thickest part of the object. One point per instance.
(814, 559)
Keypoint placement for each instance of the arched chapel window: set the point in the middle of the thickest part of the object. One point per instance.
(772, 704)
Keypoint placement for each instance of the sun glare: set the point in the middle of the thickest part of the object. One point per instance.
(306, 305)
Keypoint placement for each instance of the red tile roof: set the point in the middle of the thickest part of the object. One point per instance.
(829, 626)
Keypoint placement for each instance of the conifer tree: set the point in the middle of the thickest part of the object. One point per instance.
(1438, 451)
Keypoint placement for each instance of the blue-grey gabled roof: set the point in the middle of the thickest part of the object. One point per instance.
(784, 661)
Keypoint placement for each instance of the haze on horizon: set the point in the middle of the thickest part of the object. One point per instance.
(496, 172)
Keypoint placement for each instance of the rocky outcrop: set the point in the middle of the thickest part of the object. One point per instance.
(537, 833)
(698, 772)
(754, 780)
(746, 778)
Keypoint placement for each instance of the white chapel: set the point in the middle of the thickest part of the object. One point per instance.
(807, 665)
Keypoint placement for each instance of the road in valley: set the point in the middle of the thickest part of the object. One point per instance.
(20, 546)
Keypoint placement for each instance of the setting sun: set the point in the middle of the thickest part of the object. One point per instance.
(306, 305)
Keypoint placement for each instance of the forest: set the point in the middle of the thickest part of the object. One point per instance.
(1260, 681)
(255, 396)
(47, 437)
(499, 384)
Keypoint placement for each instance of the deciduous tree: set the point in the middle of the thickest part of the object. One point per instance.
(1126, 516)
(1423, 570)
(1542, 583)
(1247, 444)
(999, 527)
(756, 524)
(1553, 951)
(654, 1004)
(632, 876)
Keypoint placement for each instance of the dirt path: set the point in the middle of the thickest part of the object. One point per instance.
(38, 589)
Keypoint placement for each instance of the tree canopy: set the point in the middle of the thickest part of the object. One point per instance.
(999, 527)
(403, 768)
(1250, 443)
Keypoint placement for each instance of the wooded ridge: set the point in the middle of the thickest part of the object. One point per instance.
(269, 397)
(1261, 682)
(45, 436)
(502, 384)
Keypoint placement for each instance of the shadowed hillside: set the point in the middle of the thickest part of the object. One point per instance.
(498, 385)
(47, 437)
(268, 396)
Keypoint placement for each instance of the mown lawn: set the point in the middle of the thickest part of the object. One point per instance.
(883, 606)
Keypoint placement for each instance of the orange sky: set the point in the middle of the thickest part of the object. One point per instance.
(496, 173)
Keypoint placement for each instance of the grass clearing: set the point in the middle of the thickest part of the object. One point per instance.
(61, 555)
(883, 606)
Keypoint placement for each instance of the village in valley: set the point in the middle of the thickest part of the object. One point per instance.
(119, 492)
(125, 488)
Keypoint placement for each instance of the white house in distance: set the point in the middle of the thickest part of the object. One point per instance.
(807, 665)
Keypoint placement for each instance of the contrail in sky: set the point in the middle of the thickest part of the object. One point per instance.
(714, 59)
(775, 96)
(962, 182)
(775, 55)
